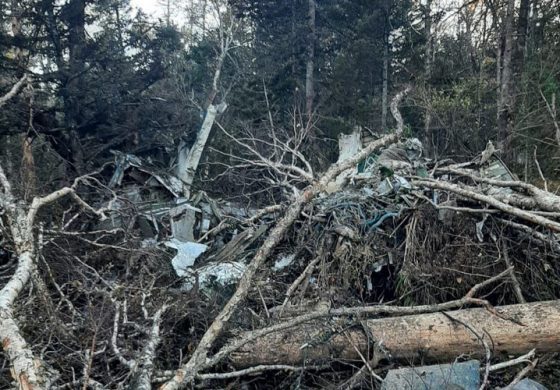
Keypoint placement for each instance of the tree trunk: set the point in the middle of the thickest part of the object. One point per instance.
(73, 87)
(506, 99)
(384, 93)
(28, 162)
(309, 77)
(27, 370)
(424, 337)
(522, 29)
(429, 142)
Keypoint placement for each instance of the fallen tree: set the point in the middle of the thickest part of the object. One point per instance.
(435, 337)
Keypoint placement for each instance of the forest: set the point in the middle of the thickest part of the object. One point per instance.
(280, 194)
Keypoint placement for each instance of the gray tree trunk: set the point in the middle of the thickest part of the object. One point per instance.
(384, 93)
(428, 143)
(309, 76)
(506, 99)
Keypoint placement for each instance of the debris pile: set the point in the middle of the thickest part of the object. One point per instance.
(397, 229)
(384, 265)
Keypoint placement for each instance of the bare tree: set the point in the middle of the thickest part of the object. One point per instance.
(27, 370)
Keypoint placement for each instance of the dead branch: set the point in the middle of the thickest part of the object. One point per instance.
(522, 374)
(27, 370)
(490, 200)
(514, 280)
(13, 91)
(541, 238)
(144, 365)
(545, 183)
(539, 199)
(513, 362)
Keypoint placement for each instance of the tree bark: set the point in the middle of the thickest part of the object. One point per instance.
(426, 337)
(309, 74)
(428, 142)
(385, 91)
(522, 29)
(506, 99)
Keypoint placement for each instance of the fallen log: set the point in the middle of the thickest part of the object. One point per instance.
(426, 337)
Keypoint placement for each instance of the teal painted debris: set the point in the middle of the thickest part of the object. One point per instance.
(456, 376)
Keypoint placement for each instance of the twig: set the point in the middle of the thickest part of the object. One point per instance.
(539, 169)
(366, 363)
(306, 272)
(522, 374)
(514, 281)
(484, 343)
(513, 362)
(252, 370)
(355, 380)
(125, 362)
(263, 303)
(163, 376)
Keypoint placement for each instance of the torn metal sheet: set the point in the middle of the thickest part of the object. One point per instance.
(187, 253)
(220, 274)
(349, 144)
(392, 184)
(183, 220)
(497, 170)
(158, 176)
(212, 276)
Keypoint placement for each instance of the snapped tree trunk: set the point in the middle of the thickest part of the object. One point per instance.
(433, 337)
(189, 158)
